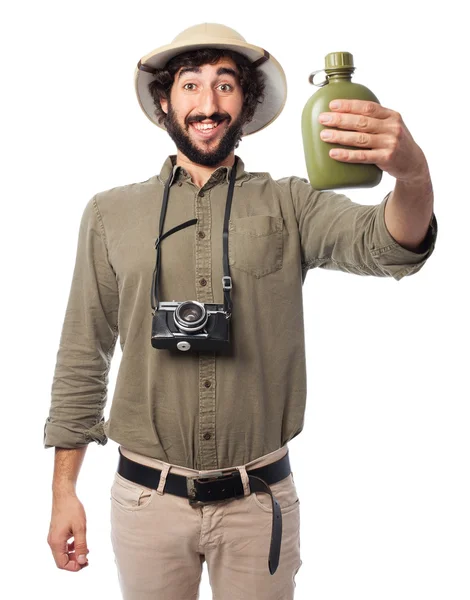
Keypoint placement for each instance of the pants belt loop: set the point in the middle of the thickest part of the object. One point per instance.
(245, 480)
(163, 475)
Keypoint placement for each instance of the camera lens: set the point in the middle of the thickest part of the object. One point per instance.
(190, 316)
(191, 313)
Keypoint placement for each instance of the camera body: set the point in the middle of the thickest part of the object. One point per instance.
(190, 326)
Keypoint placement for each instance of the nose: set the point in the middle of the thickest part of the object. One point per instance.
(208, 102)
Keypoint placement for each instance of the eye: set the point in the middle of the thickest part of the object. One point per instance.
(221, 85)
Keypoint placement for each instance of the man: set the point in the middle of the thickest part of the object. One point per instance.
(203, 472)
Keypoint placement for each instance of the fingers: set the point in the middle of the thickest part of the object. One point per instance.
(361, 140)
(353, 122)
(67, 555)
(361, 107)
(66, 560)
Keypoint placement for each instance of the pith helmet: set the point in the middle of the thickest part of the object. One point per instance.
(216, 36)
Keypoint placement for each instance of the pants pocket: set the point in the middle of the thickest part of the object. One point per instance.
(129, 495)
(285, 493)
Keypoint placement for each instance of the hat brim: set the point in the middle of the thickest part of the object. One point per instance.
(275, 80)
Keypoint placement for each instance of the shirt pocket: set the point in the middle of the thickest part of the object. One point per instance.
(256, 244)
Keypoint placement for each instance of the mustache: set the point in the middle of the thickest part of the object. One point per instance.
(216, 117)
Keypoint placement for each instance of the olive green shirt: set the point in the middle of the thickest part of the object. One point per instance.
(205, 410)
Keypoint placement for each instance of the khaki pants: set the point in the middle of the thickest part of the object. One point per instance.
(160, 541)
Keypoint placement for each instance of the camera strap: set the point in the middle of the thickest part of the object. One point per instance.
(226, 279)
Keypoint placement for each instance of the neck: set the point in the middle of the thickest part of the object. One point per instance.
(200, 174)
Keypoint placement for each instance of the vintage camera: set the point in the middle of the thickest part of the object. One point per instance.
(191, 325)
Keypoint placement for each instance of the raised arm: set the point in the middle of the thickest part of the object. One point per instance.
(337, 233)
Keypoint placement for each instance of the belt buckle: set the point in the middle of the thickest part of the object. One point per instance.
(192, 485)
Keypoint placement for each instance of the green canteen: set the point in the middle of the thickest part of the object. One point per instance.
(324, 172)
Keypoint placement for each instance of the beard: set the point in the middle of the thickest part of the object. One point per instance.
(209, 157)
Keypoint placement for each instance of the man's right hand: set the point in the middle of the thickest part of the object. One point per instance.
(68, 520)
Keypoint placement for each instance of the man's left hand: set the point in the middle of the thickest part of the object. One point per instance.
(367, 124)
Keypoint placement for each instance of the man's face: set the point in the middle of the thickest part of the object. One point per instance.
(207, 94)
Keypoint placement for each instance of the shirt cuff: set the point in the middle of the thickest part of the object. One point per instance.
(394, 259)
(63, 436)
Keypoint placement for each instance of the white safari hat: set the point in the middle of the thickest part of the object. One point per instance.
(216, 36)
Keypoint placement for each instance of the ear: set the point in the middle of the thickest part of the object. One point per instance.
(164, 105)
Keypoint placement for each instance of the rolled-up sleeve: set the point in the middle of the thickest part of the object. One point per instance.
(337, 233)
(87, 342)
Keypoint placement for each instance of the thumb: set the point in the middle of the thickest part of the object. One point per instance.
(80, 547)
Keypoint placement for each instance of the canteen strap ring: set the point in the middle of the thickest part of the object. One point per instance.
(311, 78)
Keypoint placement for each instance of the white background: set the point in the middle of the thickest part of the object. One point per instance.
(382, 465)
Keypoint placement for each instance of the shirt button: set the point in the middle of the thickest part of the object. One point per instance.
(203, 281)
(201, 194)
(207, 383)
(207, 436)
(201, 234)
(180, 183)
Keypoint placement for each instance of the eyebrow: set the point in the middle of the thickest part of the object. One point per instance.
(220, 71)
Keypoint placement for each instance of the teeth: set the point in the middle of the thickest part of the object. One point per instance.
(203, 126)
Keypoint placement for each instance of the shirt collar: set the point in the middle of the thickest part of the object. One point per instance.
(221, 174)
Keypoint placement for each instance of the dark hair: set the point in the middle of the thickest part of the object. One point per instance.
(251, 79)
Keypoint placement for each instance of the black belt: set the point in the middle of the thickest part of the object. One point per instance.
(216, 488)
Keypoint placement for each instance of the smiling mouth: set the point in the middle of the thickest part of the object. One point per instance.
(206, 132)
